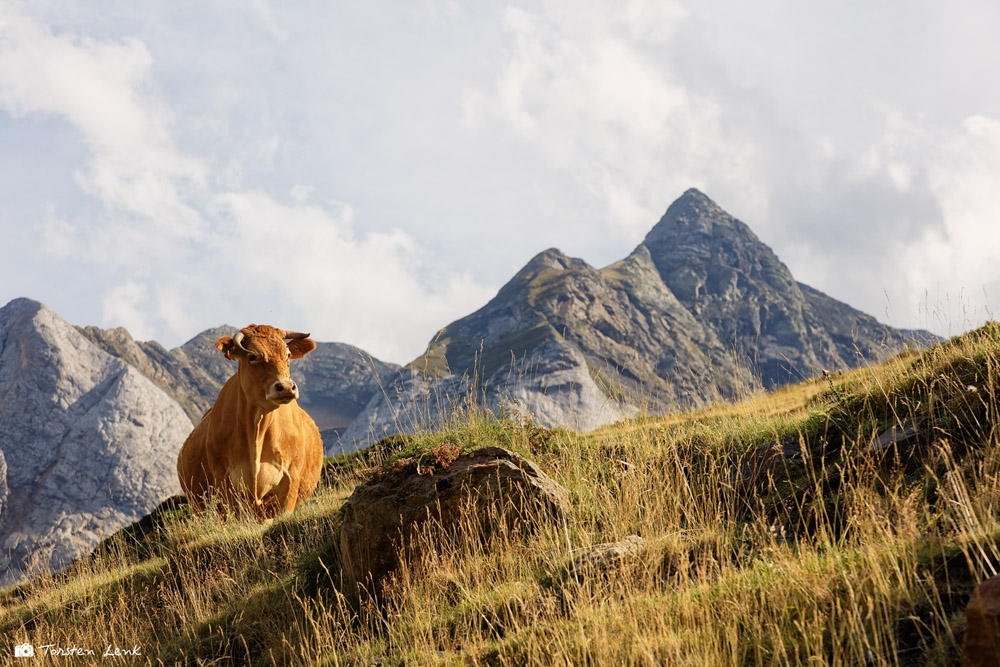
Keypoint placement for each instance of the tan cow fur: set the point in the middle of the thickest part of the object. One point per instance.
(250, 451)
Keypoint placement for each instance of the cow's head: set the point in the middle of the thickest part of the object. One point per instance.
(264, 354)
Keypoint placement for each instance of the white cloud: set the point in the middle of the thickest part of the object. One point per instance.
(586, 88)
(191, 148)
(196, 251)
(57, 235)
(300, 193)
(905, 230)
(306, 262)
(959, 260)
(127, 303)
(266, 16)
(653, 20)
(101, 88)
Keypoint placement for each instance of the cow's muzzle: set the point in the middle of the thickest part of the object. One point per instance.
(283, 391)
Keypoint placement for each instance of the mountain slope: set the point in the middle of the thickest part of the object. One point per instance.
(189, 374)
(336, 381)
(701, 310)
(88, 443)
(515, 354)
(760, 532)
(735, 284)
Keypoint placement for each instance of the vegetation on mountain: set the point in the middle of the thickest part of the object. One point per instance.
(845, 520)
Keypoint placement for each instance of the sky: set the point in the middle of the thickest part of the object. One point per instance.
(371, 171)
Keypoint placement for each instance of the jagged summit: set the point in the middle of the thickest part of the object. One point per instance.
(693, 214)
(211, 335)
(696, 245)
(552, 257)
(733, 282)
(21, 305)
(544, 262)
(700, 310)
(692, 209)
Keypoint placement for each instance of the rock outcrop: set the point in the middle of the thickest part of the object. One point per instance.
(88, 443)
(191, 374)
(736, 286)
(608, 558)
(698, 312)
(485, 491)
(335, 381)
(982, 633)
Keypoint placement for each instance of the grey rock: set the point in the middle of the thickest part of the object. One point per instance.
(605, 558)
(336, 382)
(900, 438)
(191, 374)
(735, 285)
(557, 388)
(90, 444)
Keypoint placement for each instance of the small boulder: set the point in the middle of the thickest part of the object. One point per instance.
(606, 558)
(900, 439)
(766, 464)
(982, 634)
(486, 489)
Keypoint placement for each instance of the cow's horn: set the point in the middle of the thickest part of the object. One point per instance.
(295, 335)
(238, 342)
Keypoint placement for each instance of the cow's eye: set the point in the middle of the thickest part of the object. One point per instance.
(253, 357)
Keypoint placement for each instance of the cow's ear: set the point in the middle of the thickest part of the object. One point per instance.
(301, 347)
(226, 346)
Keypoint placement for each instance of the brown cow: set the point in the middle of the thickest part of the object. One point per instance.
(255, 448)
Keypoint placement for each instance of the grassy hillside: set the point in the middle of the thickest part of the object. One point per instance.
(838, 554)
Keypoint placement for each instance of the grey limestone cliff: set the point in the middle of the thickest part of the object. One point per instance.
(191, 374)
(88, 443)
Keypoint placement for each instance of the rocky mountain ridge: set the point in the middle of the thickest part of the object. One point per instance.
(87, 443)
(700, 311)
(335, 381)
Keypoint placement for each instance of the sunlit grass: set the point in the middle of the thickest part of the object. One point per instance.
(836, 558)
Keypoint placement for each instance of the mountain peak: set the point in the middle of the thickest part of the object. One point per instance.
(89, 444)
(694, 214)
(22, 306)
(551, 258)
(696, 195)
(696, 232)
(546, 261)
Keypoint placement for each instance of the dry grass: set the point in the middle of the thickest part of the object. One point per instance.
(839, 559)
